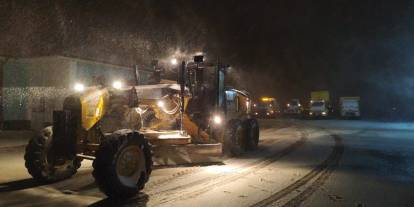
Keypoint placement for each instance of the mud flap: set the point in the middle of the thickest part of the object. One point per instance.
(187, 154)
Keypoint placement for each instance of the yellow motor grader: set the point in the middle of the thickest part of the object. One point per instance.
(127, 130)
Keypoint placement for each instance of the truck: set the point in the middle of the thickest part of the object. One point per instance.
(349, 107)
(266, 107)
(293, 107)
(319, 105)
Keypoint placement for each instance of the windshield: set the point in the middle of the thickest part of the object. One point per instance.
(317, 103)
(293, 103)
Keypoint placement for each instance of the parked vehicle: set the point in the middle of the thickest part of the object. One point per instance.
(293, 107)
(266, 107)
(349, 107)
(319, 105)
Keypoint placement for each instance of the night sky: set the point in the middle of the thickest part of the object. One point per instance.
(280, 48)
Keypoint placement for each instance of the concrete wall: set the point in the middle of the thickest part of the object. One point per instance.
(34, 87)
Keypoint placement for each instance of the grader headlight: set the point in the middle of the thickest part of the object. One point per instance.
(217, 120)
(161, 104)
(79, 87)
(117, 84)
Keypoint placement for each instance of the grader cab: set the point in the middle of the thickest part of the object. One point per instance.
(127, 130)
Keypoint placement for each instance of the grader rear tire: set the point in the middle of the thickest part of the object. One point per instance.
(235, 138)
(41, 165)
(123, 164)
(252, 134)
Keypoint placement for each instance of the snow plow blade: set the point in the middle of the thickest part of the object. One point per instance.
(187, 154)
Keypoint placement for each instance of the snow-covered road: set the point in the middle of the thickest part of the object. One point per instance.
(304, 163)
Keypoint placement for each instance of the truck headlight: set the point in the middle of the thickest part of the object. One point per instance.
(117, 84)
(217, 119)
(79, 87)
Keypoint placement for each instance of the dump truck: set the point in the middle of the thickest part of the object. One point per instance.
(126, 130)
(319, 105)
(349, 107)
(266, 107)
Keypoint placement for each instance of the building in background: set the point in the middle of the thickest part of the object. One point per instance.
(33, 87)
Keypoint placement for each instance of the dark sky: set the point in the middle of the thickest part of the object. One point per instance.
(280, 48)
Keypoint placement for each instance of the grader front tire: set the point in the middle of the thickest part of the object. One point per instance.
(123, 164)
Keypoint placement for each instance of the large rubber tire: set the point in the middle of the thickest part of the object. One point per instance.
(235, 138)
(252, 134)
(123, 164)
(38, 160)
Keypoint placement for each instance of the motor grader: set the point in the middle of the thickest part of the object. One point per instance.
(126, 130)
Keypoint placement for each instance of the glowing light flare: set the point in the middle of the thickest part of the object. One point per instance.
(174, 61)
(217, 119)
(161, 104)
(265, 99)
(117, 84)
(79, 87)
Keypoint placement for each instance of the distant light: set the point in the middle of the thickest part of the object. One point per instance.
(323, 113)
(117, 84)
(256, 113)
(254, 105)
(79, 87)
(287, 105)
(299, 105)
(199, 53)
(174, 61)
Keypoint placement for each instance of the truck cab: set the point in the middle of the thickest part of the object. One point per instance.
(266, 107)
(318, 108)
(349, 107)
(293, 107)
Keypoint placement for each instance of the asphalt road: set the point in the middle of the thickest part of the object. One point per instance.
(299, 163)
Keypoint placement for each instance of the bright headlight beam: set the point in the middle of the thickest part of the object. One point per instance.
(173, 61)
(160, 104)
(79, 87)
(117, 84)
(217, 119)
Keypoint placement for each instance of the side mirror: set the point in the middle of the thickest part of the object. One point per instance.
(136, 75)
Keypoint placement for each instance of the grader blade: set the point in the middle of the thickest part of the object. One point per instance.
(187, 154)
(171, 147)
